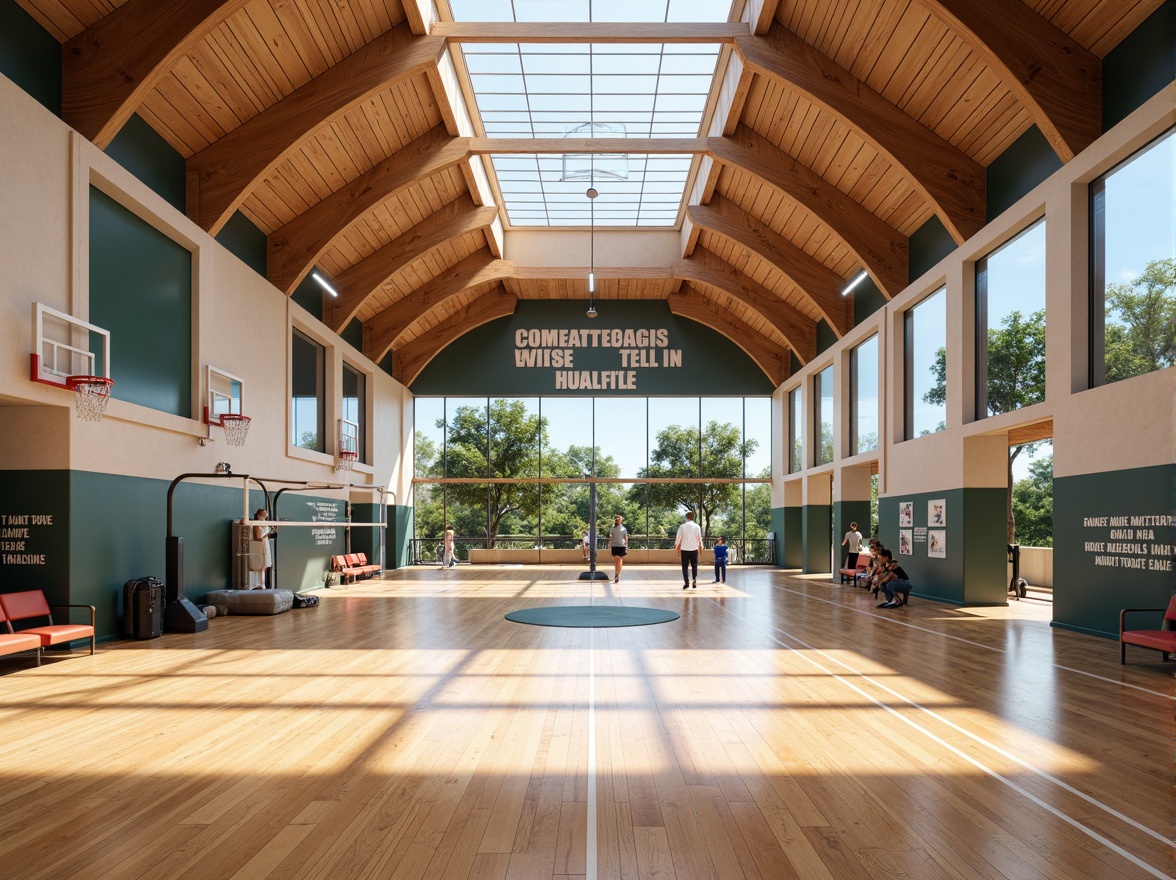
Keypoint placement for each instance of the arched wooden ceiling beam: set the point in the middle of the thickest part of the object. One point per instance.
(951, 181)
(108, 69)
(408, 361)
(1056, 78)
(817, 281)
(881, 248)
(770, 357)
(357, 284)
(381, 331)
(223, 174)
(296, 247)
(705, 267)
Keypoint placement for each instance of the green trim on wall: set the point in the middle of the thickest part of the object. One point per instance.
(1091, 582)
(1027, 162)
(39, 558)
(309, 295)
(302, 555)
(30, 56)
(826, 337)
(139, 149)
(386, 363)
(141, 291)
(867, 299)
(400, 528)
(353, 334)
(778, 525)
(927, 245)
(817, 530)
(792, 538)
(245, 241)
(1139, 68)
(973, 572)
(483, 361)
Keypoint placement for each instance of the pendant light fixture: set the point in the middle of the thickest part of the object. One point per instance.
(592, 194)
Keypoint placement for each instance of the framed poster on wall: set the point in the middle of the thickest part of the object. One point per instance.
(937, 543)
(905, 544)
(906, 514)
(937, 513)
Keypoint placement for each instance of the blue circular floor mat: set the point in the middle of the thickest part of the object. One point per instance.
(591, 615)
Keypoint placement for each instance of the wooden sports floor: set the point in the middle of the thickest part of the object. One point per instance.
(783, 727)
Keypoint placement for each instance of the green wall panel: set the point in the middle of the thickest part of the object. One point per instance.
(1098, 566)
(141, 291)
(792, 538)
(483, 361)
(400, 526)
(309, 295)
(817, 529)
(30, 56)
(777, 521)
(973, 569)
(302, 555)
(867, 299)
(366, 539)
(927, 245)
(150, 158)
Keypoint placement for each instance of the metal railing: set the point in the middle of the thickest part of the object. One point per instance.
(429, 551)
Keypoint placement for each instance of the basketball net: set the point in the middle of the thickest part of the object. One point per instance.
(236, 428)
(91, 395)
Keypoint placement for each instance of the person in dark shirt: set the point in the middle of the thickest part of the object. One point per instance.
(894, 582)
(721, 561)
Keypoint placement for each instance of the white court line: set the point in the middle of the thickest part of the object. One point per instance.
(1131, 857)
(891, 619)
(591, 844)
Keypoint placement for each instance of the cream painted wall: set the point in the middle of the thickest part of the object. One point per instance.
(241, 326)
(1129, 424)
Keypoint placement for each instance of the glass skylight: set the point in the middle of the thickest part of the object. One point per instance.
(578, 90)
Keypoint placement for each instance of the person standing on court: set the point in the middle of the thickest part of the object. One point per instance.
(618, 540)
(721, 560)
(447, 558)
(261, 555)
(687, 545)
(852, 539)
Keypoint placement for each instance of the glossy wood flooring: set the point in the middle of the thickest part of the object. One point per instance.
(783, 727)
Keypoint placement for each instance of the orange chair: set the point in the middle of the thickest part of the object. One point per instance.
(14, 642)
(1162, 640)
(31, 604)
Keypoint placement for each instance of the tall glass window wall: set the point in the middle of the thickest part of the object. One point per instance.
(925, 366)
(863, 397)
(823, 416)
(1010, 325)
(638, 446)
(1133, 263)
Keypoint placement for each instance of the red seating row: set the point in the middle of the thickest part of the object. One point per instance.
(850, 574)
(31, 605)
(1162, 640)
(353, 566)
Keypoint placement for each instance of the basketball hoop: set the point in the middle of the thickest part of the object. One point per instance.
(91, 394)
(236, 428)
(347, 459)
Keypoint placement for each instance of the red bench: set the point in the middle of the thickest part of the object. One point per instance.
(1162, 639)
(14, 642)
(31, 605)
(353, 566)
(850, 574)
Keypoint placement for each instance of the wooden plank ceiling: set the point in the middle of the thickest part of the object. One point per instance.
(346, 133)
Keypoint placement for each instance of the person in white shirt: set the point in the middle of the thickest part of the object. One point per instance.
(687, 545)
(852, 540)
(618, 540)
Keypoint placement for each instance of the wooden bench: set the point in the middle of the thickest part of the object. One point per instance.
(353, 566)
(1162, 639)
(14, 642)
(850, 574)
(32, 605)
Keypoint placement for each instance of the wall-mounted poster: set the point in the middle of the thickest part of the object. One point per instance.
(906, 514)
(937, 514)
(904, 542)
(937, 543)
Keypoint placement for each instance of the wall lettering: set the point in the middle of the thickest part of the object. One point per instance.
(18, 538)
(556, 349)
(1142, 542)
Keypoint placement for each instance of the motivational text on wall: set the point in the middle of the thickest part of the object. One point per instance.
(1143, 542)
(18, 537)
(630, 352)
